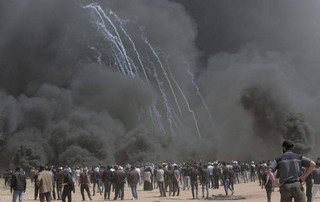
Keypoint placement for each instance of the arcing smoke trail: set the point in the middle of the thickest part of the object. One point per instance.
(199, 93)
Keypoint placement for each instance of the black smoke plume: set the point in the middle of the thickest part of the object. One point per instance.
(273, 120)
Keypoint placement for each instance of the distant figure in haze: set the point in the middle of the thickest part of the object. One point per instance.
(53, 182)
(120, 179)
(316, 179)
(225, 177)
(176, 180)
(59, 182)
(96, 179)
(147, 183)
(210, 168)
(252, 172)
(107, 177)
(84, 183)
(231, 179)
(160, 180)
(168, 179)
(289, 166)
(216, 175)
(36, 187)
(194, 180)
(237, 170)
(205, 182)
(44, 182)
(133, 180)
(267, 184)
(77, 174)
(68, 186)
(245, 169)
(18, 185)
(8, 176)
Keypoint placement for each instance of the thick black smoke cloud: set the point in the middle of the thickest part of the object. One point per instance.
(273, 120)
(61, 102)
(256, 63)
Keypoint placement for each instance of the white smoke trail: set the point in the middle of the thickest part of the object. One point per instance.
(199, 92)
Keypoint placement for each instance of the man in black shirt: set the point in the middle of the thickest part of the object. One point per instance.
(68, 187)
(194, 180)
(107, 177)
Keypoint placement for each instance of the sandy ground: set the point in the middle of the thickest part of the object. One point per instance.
(251, 191)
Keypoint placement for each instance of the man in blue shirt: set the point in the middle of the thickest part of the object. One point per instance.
(289, 166)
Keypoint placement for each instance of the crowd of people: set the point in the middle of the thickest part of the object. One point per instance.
(59, 183)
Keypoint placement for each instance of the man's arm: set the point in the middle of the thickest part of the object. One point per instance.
(308, 171)
(273, 179)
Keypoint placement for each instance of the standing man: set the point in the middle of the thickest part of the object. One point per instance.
(252, 172)
(107, 177)
(36, 187)
(168, 177)
(120, 179)
(245, 169)
(44, 183)
(96, 178)
(289, 166)
(133, 180)
(84, 183)
(225, 177)
(216, 175)
(160, 180)
(194, 180)
(205, 176)
(59, 182)
(236, 169)
(68, 186)
(176, 180)
(18, 184)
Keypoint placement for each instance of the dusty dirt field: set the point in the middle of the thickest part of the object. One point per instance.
(251, 191)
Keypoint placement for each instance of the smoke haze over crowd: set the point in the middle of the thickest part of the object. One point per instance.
(63, 98)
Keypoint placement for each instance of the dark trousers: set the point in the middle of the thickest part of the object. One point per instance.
(309, 185)
(65, 194)
(82, 188)
(107, 190)
(168, 184)
(161, 188)
(176, 188)
(216, 182)
(45, 195)
(194, 185)
(231, 184)
(205, 185)
(94, 187)
(292, 190)
(36, 191)
(54, 193)
(269, 192)
(212, 181)
(119, 190)
(59, 190)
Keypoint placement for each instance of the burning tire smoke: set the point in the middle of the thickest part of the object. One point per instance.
(115, 82)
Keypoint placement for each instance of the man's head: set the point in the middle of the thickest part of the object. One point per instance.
(42, 168)
(18, 168)
(287, 145)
